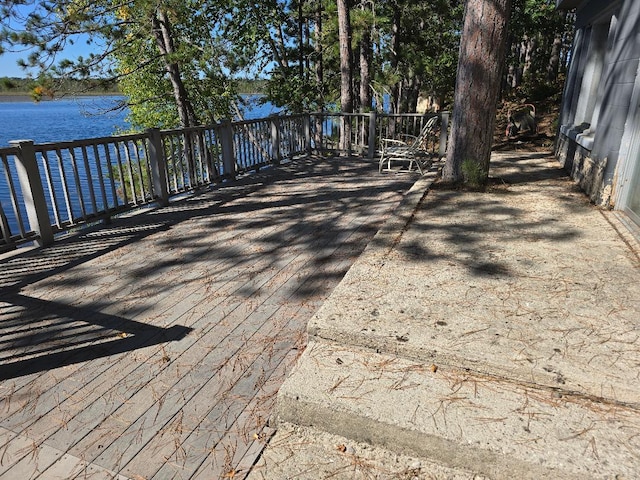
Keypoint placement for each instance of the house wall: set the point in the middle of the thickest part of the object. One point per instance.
(598, 94)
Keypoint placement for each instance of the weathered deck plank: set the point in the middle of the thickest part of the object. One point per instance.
(153, 347)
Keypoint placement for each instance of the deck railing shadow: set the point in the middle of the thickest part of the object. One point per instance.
(39, 341)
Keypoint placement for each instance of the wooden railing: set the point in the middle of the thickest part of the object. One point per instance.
(50, 188)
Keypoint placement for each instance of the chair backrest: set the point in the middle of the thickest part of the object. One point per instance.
(425, 131)
(428, 127)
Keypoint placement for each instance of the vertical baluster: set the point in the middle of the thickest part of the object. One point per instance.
(181, 163)
(236, 148)
(112, 181)
(14, 198)
(253, 145)
(212, 163)
(121, 171)
(167, 148)
(51, 187)
(90, 186)
(138, 160)
(76, 176)
(65, 184)
(130, 170)
(103, 190)
(242, 147)
(202, 174)
(146, 161)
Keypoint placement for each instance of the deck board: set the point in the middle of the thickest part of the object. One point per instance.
(153, 347)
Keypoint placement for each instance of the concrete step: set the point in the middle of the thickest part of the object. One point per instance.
(521, 286)
(306, 453)
(490, 426)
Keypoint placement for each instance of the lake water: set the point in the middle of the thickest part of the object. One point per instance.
(77, 118)
(71, 119)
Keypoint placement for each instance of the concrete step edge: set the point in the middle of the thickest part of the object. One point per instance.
(458, 419)
(307, 453)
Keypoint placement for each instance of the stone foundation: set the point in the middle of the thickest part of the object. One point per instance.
(586, 171)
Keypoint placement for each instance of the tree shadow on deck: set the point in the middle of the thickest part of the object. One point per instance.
(36, 339)
(289, 232)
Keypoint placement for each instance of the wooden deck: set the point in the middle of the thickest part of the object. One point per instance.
(153, 347)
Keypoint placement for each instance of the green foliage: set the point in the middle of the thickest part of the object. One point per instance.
(167, 57)
(474, 174)
(134, 177)
(216, 46)
(541, 38)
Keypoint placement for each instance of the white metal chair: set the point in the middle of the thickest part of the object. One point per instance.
(411, 151)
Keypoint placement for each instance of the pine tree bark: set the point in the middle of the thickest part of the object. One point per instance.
(554, 59)
(346, 73)
(478, 81)
(319, 68)
(365, 71)
(395, 57)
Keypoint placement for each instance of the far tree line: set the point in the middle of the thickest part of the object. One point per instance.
(178, 62)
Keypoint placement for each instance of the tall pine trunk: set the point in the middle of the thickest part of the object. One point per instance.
(346, 73)
(395, 57)
(319, 69)
(478, 81)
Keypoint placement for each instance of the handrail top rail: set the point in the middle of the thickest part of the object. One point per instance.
(9, 150)
(47, 146)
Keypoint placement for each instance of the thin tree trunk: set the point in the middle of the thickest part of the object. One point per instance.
(186, 113)
(165, 44)
(478, 80)
(319, 70)
(366, 53)
(395, 57)
(346, 73)
(554, 58)
(300, 42)
(365, 90)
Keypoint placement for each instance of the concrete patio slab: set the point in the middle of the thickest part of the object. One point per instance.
(514, 315)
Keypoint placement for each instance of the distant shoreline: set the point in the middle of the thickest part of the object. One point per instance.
(4, 97)
(25, 97)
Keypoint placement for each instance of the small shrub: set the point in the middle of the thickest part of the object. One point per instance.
(475, 176)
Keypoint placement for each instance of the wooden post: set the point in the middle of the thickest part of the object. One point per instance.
(371, 150)
(444, 127)
(33, 191)
(158, 164)
(306, 123)
(276, 155)
(226, 144)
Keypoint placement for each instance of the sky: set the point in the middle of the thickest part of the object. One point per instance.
(10, 68)
(8, 61)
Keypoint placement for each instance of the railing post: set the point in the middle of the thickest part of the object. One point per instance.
(158, 164)
(226, 144)
(444, 130)
(33, 191)
(276, 125)
(371, 150)
(306, 125)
